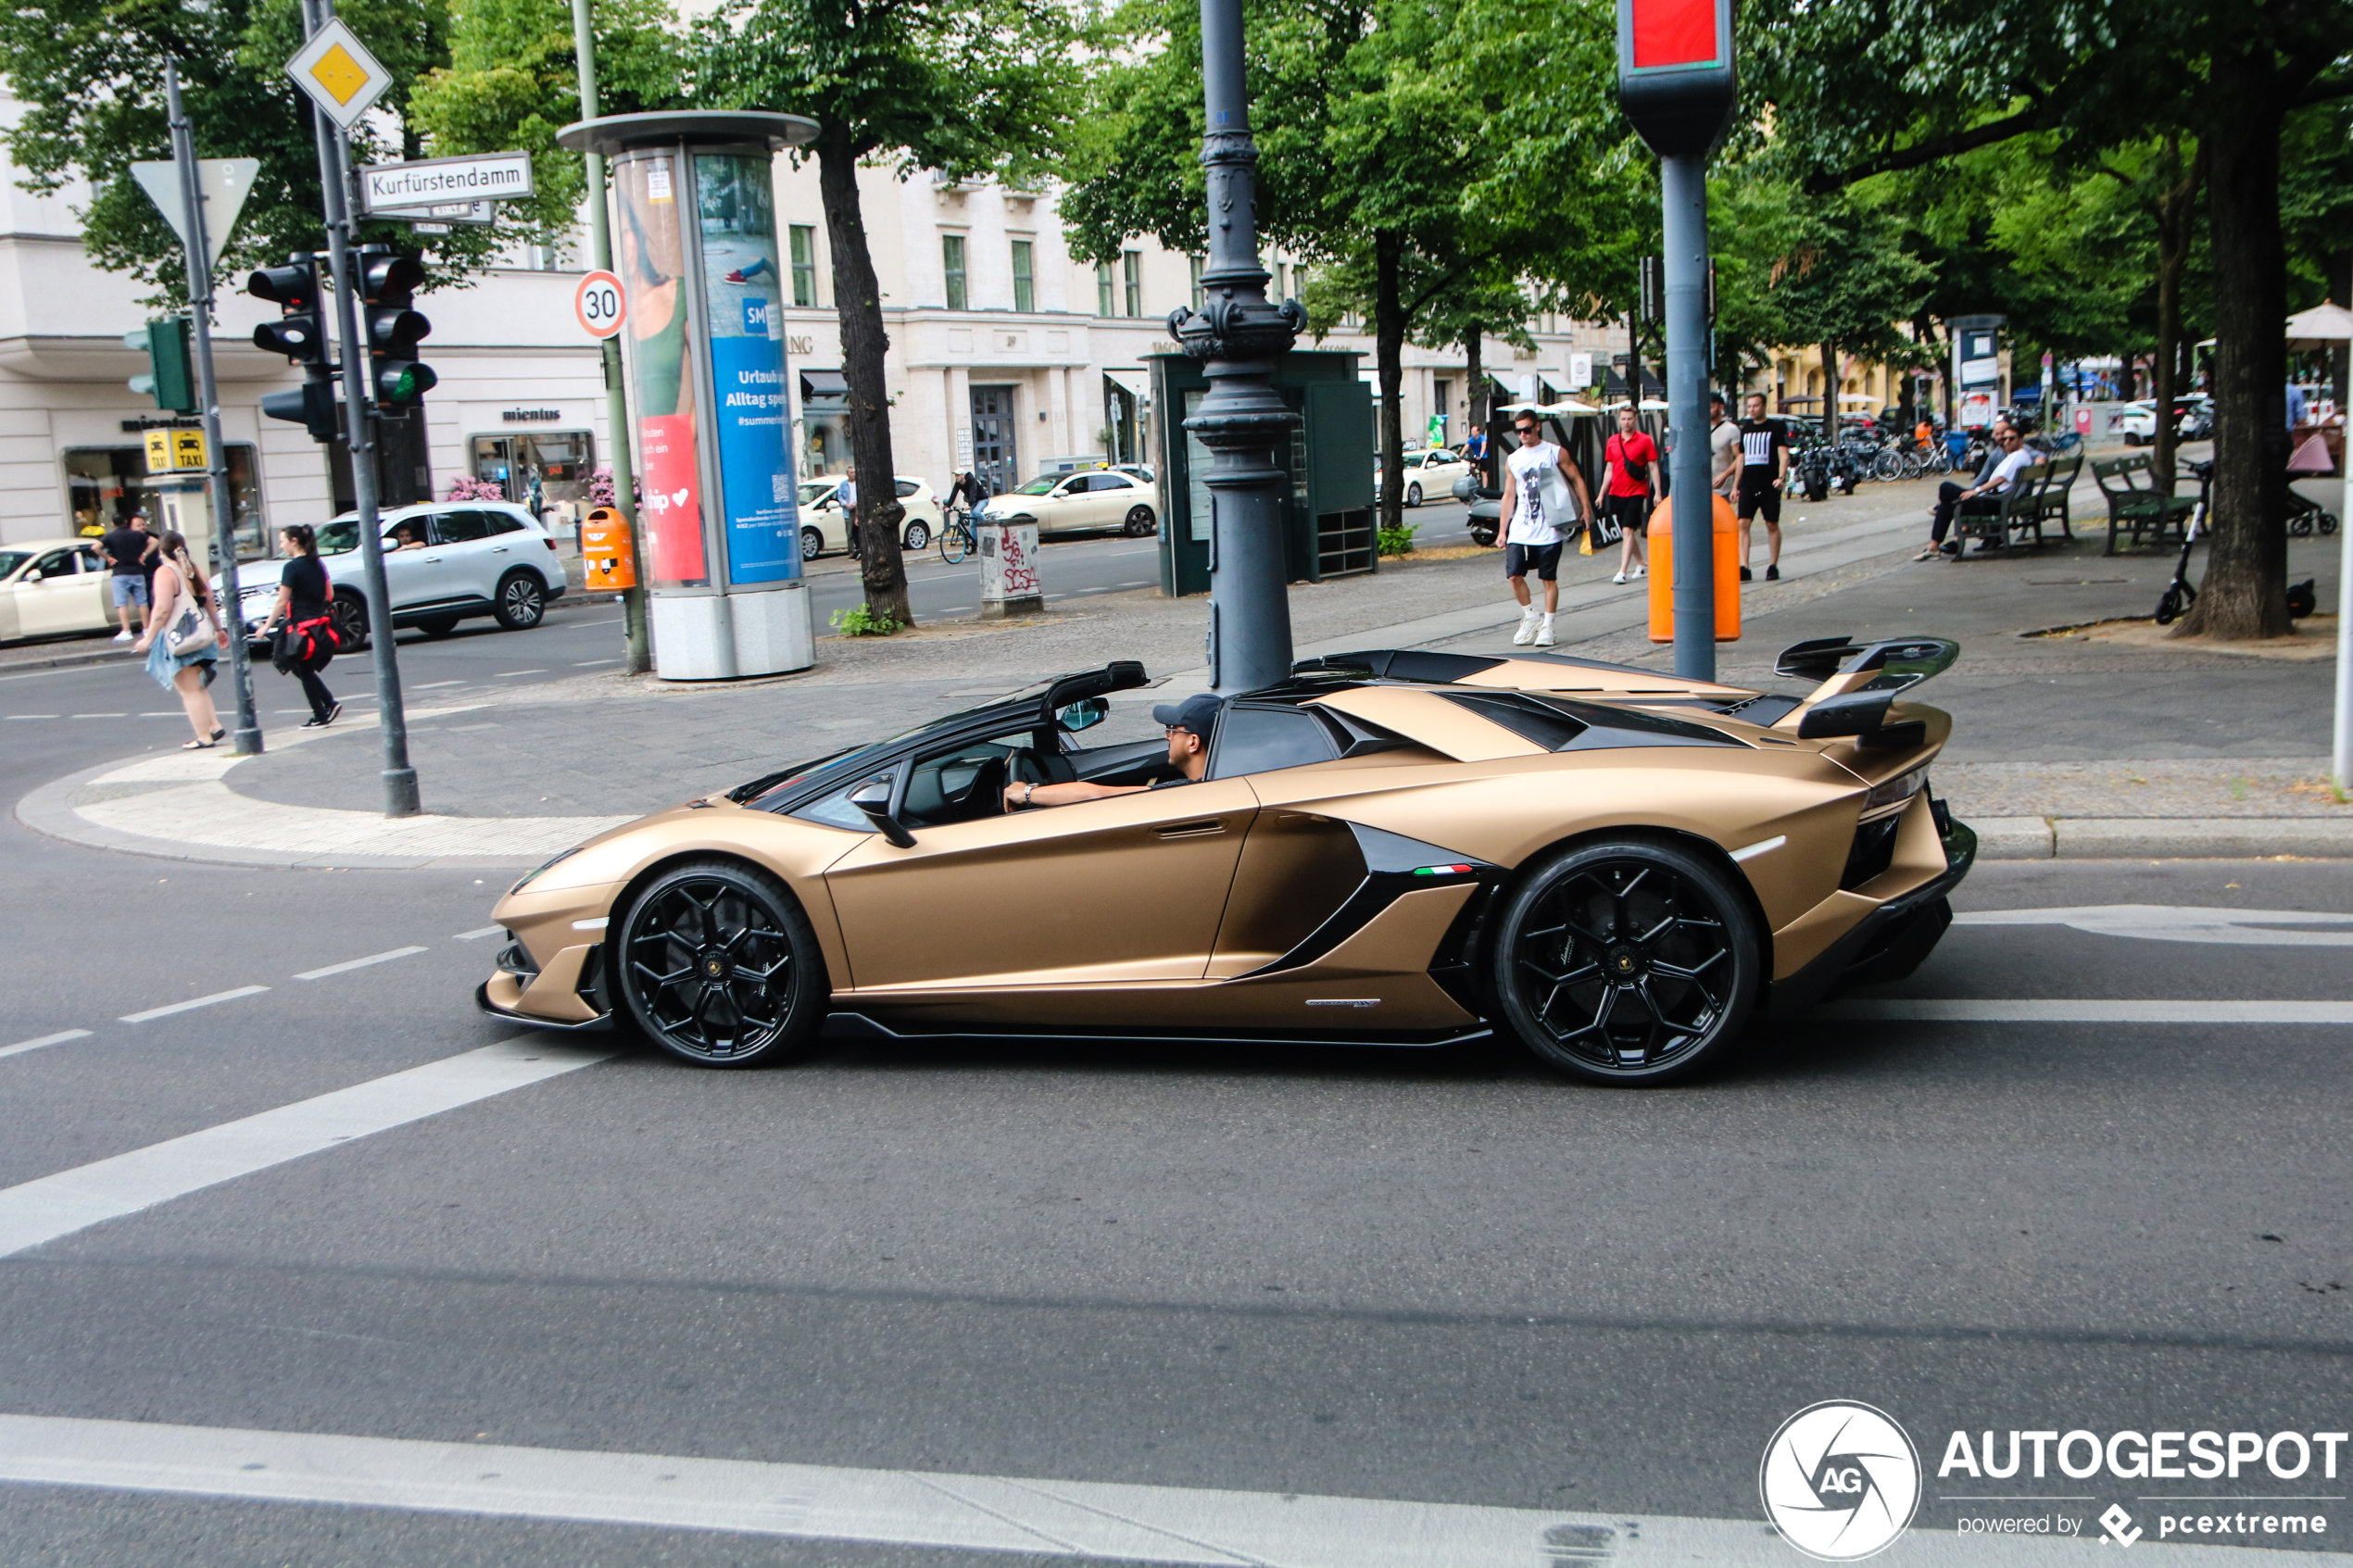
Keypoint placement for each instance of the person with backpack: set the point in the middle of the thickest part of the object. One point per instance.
(182, 638)
(1631, 457)
(303, 623)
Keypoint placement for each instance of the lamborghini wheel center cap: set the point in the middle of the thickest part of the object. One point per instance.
(714, 967)
(1624, 962)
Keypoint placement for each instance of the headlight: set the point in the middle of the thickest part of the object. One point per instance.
(1896, 791)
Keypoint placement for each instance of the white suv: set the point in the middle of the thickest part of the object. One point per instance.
(444, 562)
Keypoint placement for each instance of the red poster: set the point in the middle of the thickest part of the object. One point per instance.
(1674, 33)
(672, 507)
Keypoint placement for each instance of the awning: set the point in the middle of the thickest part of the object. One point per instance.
(2324, 326)
(1138, 384)
(822, 383)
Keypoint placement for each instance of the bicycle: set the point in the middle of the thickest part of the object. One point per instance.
(956, 537)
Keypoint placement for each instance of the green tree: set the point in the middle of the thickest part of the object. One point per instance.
(90, 74)
(513, 83)
(1873, 86)
(961, 87)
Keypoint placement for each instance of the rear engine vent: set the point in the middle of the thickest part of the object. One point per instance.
(1874, 851)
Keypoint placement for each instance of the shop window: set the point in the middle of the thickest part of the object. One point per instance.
(106, 484)
(546, 471)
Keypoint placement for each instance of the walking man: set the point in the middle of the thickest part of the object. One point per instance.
(1764, 469)
(1545, 493)
(1630, 490)
(1723, 448)
(128, 548)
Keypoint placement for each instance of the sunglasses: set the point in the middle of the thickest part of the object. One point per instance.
(1524, 430)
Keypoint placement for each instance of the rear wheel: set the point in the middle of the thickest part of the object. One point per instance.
(1413, 494)
(1140, 521)
(1625, 961)
(523, 601)
(918, 534)
(351, 622)
(717, 964)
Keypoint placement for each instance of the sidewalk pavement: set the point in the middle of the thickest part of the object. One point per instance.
(2067, 745)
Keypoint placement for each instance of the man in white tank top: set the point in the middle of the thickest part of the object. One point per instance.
(1544, 494)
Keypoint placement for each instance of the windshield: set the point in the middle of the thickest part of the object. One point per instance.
(817, 490)
(339, 536)
(770, 784)
(11, 559)
(1040, 486)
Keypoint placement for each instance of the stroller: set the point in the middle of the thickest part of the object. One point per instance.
(2305, 517)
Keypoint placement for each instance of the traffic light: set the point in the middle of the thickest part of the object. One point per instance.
(171, 376)
(299, 333)
(387, 282)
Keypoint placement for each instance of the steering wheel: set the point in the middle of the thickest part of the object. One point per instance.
(1022, 766)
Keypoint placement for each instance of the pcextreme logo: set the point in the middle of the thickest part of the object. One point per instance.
(1840, 1480)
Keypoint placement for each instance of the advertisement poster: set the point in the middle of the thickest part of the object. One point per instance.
(651, 258)
(751, 414)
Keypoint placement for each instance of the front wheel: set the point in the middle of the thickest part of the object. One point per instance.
(717, 964)
(812, 543)
(1140, 521)
(1625, 961)
(351, 622)
(523, 601)
(955, 543)
(918, 535)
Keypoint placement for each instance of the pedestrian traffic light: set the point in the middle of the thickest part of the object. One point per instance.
(387, 282)
(299, 333)
(171, 376)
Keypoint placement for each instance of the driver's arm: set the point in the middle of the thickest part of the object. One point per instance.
(1018, 796)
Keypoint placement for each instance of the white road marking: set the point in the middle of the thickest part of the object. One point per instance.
(592, 663)
(59, 1039)
(356, 963)
(162, 713)
(194, 1002)
(2067, 1010)
(1089, 1521)
(431, 685)
(2179, 923)
(478, 934)
(510, 674)
(36, 715)
(39, 1211)
(100, 715)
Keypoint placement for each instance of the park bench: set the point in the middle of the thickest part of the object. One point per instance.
(2021, 512)
(2134, 503)
(2050, 502)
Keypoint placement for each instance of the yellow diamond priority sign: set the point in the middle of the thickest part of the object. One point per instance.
(341, 78)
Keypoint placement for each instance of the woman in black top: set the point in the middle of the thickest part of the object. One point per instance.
(304, 597)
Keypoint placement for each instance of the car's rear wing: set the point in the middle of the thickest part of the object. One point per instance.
(1858, 682)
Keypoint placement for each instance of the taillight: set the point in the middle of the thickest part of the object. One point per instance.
(1897, 790)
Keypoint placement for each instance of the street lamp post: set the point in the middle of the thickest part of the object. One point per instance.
(1238, 334)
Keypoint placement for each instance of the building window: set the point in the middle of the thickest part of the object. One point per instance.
(1105, 297)
(1201, 300)
(1282, 282)
(1024, 280)
(951, 260)
(106, 484)
(804, 265)
(1132, 264)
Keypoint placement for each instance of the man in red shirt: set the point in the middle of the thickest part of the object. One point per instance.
(1634, 469)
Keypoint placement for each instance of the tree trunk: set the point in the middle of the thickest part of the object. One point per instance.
(857, 302)
(1474, 346)
(2176, 208)
(2244, 593)
(1389, 354)
(2340, 270)
(1830, 391)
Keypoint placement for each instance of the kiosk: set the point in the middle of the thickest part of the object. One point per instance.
(695, 244)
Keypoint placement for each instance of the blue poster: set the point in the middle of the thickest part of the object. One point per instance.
(751, 406)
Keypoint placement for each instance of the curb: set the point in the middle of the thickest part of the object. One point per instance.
(2163, 838)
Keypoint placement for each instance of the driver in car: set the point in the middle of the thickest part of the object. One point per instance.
(1189, 723)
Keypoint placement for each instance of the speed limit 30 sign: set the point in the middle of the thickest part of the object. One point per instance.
(598, 305)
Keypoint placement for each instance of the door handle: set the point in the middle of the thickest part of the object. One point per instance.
(1191, 830)
(500, 551)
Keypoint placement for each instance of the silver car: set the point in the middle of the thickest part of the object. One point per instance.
(445, 562)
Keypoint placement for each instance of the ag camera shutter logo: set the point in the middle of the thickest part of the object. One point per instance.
(1840, 1481)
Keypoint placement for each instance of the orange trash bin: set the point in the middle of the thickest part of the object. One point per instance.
(604, 551)
(1728, 571)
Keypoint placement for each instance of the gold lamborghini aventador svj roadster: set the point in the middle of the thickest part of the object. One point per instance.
(1617, 867)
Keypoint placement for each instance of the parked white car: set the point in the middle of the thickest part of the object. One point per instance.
(824, 526)
(2192, 420)
(52, 588)
(445, 562)
(1428, 472)
(1076, 503)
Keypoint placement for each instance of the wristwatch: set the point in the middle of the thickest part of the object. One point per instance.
(1027, 790)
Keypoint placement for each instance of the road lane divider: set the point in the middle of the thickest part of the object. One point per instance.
(36, 1213)
(349, 964)
(478, 933)
(193, 1002)
(59, 1039)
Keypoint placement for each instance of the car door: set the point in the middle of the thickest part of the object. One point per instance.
(68, 597)
(460, 566)
(1097, 893)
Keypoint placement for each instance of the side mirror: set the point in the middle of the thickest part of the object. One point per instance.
(33, 576)
(873, 798)
(1084, 714)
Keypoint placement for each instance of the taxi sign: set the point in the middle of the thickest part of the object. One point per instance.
(177, 450)
(339, 73)
(598, 305)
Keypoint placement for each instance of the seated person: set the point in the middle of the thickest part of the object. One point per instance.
(405, 537)
(2009, 457)
(1189, 724)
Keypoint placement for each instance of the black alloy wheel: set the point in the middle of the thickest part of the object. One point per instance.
(351, 622)
(1140, 521)
(918, 534)
(812, 543)
(717, 964)
(1626, 963)
(523, 601)
(1413, 494)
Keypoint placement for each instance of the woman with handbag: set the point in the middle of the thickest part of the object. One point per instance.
(182, 638)
(302, 623)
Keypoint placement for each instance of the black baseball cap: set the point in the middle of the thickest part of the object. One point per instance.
(1197, 713)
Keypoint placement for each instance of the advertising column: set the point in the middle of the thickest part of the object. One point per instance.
(696, 247)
